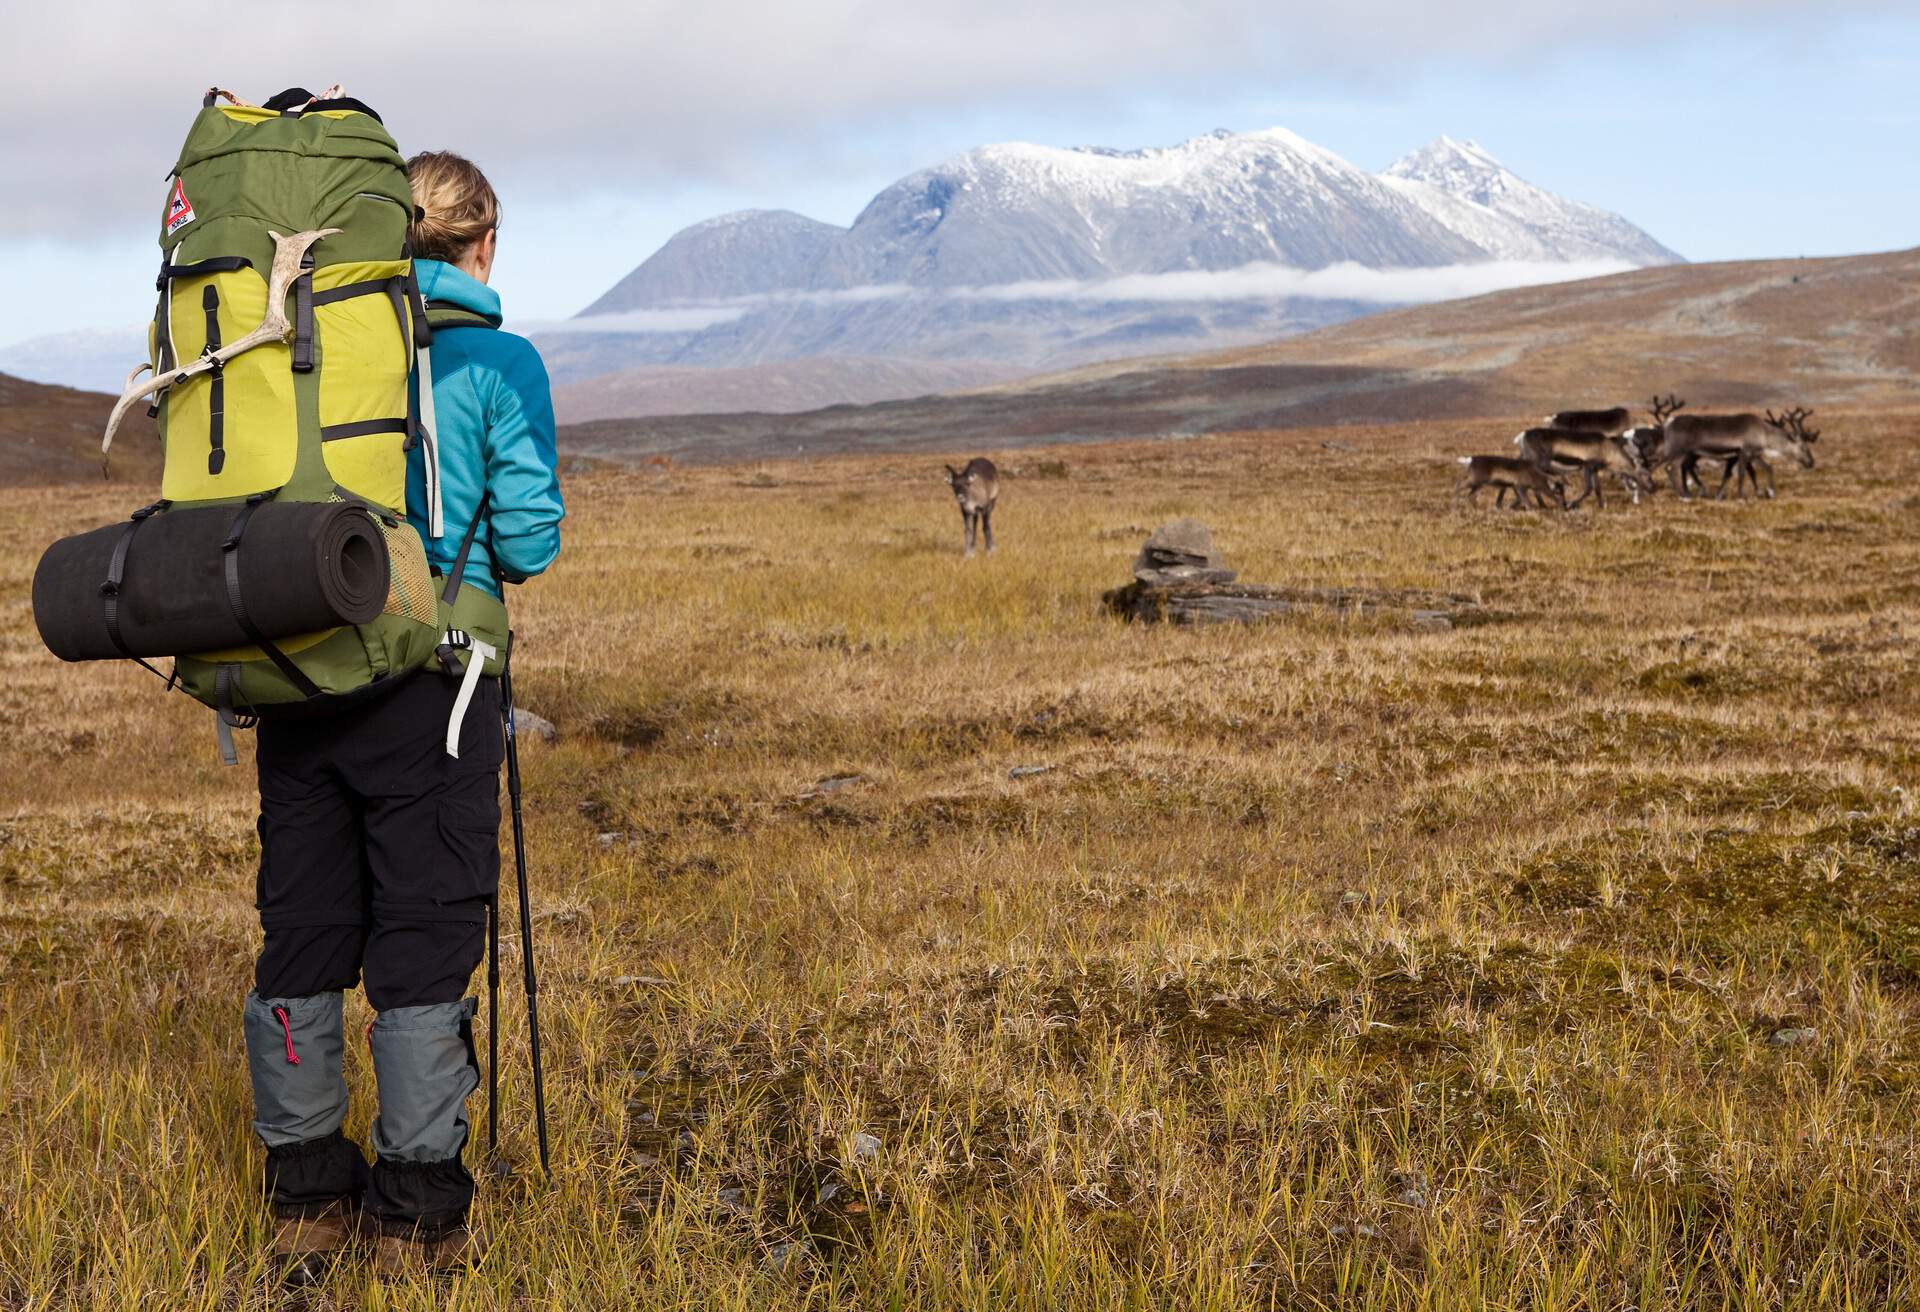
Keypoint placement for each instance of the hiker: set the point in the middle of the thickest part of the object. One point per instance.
(380, 848)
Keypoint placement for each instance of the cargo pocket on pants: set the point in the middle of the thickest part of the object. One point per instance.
(469, 824)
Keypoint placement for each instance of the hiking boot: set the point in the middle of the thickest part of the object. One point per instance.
(396, 1256)
(306, 1247)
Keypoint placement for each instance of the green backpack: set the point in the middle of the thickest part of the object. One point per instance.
(326, 411)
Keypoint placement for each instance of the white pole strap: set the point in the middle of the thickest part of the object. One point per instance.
(478, 655)
(430, 444)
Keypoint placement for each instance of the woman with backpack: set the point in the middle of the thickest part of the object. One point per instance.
(379, 847)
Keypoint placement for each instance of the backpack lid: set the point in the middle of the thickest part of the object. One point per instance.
(340, 129)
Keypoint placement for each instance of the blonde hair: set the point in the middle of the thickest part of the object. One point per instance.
(454, 205)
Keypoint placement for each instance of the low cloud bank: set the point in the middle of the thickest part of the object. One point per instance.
(1336, 282)
(679, 319)
(1249, 282)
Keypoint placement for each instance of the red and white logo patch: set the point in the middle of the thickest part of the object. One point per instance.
(179, 211)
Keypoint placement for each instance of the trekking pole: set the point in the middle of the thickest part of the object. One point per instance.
(493, 1034)
(526, 910)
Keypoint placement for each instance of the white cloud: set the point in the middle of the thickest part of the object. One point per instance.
(94, 98)
(1338, 282)
(680, 319)
(1250, 282)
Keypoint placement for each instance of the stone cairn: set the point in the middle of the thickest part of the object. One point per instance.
(1179, 578)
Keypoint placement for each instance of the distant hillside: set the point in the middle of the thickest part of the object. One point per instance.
(1823, 332)
(1843, 331)
(784, 387)
(51, 434)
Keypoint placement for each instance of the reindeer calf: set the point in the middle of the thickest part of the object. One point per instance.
(1511, 474)
(1559, 450)
(976, 488)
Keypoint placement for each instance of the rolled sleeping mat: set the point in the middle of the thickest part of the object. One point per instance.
(302, 566)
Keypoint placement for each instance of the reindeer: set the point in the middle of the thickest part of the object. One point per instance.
(1511, 474)
(1793, 423)
(1607, 423)
(1744, 441)
(1647, 441)
(976, 488)
(1557, 449)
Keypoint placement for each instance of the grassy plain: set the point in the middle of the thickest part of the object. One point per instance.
(1568, 959)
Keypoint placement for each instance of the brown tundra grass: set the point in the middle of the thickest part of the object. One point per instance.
(1565, 960)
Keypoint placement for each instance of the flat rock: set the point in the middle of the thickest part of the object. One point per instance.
(1189, 602)
(1172, 574)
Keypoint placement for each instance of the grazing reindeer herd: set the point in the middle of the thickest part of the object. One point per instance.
(1596, 443)
(1591, 443)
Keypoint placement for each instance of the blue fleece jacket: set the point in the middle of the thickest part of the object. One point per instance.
(495, 430)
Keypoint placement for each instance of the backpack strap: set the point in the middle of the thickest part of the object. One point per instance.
(116, 574)
(427, 422)
(446, 314)
(237, 603)
(459, 570)
(479, 652)
(429, 318)
(454, 640)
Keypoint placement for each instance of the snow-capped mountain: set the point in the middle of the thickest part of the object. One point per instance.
(1476, 196)
(740, 254)
(1016, 213)
(1045, 256)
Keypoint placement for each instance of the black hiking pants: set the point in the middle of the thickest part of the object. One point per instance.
(379, 853)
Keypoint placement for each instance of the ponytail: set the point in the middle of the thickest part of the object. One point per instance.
(454, 205)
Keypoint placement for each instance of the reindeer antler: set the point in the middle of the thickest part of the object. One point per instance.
(274, 327)
(1796, 420)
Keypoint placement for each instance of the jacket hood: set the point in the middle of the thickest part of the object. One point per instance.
(440, 281)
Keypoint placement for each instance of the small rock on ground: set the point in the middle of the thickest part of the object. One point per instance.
(525, 723)
(787, 1255)
(833, 783)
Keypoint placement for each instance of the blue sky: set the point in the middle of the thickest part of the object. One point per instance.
(1750, 129)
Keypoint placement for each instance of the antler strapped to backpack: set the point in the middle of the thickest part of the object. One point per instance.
(288, 253)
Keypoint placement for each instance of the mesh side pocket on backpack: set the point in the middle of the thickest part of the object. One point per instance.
(411, 595)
